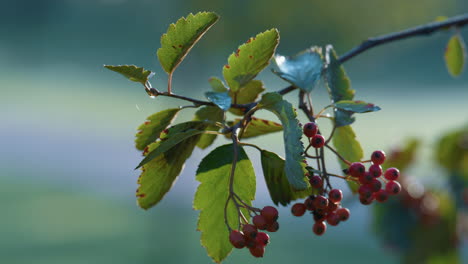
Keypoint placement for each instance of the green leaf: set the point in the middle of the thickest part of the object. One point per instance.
(292, 137)
(149, 131)
(212, 194)
(209, 114)
(247, 94)
(181, 37)
(356, 106)
(250, 59)
(455, 55)
(302, 70)
(222, 100)
(175, 136)
(159, 174)
(339, 86)
(258, 127)
(346, 144)
(278, 185)
(132, 72)
(217, 85)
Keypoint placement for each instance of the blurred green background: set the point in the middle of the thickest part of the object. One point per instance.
(67, 125)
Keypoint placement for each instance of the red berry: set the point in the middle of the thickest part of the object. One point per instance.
(237, 239)
(378, 157)
(321, 202)
(257, 251)
(317, 141)
(343, 214)
(262, 238)
(269, 213)
(319, 216)
(335, 195)
(250, 242)
(365, 200)
(298, 209)
(357, 169)
(316, 182)
(273, 227)
(332, 207)
(366, 178)
(333, 219)
(375, 170)
(260, 222)
(309, 203)
(392, 174)
(381, 196)
(365, 191)
(250, 231)
(393, 187)
(310, 129)
(375, 185)
(319, 228)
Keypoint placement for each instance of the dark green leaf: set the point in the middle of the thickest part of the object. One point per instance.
(222, 100)
(175, 136)
(247, 94)
(149, 131)
(181, 37)
(250, 59)
(346, 144)
(209, 114)
(302, 70)
(132, 72)
(212, 194)
(356, 106)
(278, 185)
(217, 85)
(292, 137)
(258, 127)
(455, 55)
(159, 174)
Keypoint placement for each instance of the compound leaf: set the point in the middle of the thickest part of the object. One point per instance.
(217, 85)
(159, 174)
(302, 70)
(132, 72)
(278, 185)
(174, 137)
(149, 131)
(247, 94)
(213, 174)
(222, 100)
(346, 144)
(250, 59)
(209, 114)
(455, 55)
(292, 137)
(181, 37)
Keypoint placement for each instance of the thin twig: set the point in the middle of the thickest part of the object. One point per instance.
(251, 145)
(338, 155)
(423, 30)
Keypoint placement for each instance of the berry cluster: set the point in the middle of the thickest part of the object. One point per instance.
(250, 237)
(310, 130)
(370, 188)
(323, 209)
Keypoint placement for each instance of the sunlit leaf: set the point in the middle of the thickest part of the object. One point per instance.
(158, 175)
(132, 72)
(222, 100)
(250, 59)
(455, 55)
(175, 136)
(278, 185)
(209, 114)
(258, 127)
(302, 70)
(247, 94)
(356, 106)
(181, 37)
(346, 144)
(292, 137)
(149, 131)
(217, 85)
(213, 174)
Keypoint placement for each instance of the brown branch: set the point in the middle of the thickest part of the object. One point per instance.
(422, 30)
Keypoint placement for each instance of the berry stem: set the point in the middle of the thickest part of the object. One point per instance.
(338, 155)
(251, 145)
